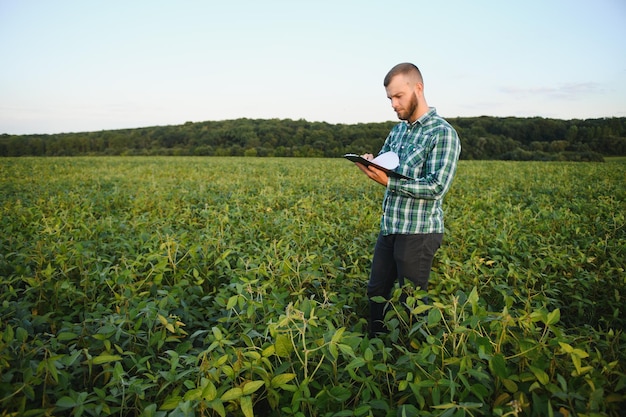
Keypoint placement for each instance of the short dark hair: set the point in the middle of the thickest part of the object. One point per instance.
(405, 68)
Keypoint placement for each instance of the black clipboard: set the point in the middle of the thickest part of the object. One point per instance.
(358, 158)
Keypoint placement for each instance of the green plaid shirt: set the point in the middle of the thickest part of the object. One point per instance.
(428, 151)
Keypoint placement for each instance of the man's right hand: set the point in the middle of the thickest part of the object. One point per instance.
(373, 173)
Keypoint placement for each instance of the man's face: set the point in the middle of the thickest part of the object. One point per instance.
(403, 98)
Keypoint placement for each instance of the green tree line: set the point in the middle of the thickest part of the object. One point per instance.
(481, 137)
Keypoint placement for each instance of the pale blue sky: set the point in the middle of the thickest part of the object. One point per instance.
(73, 66)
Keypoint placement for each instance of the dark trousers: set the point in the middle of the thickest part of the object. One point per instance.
(399, 258)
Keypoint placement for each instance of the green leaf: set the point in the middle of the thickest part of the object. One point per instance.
(497, 364)
(434, 316)
(581, 371)
(346, 349)
(193, 394)
(66, 402)
(361, 410)
(9, 334)
(252, 386)
(232, 394)
(334, 352)
(218, 406)
(566, 347)
(577, 362)
(554, 317)
(232, 302)
(337, 336)
(445, 406)
(149, 411)
(510, 385)
(246, 406)
(580, 353)
(217, 333)
(540, 374)
(65, 336)
(340, 394)
(21, 334)
(283, 346)
(105, 358)
(485, 349)
(171, 403)
(209, 392)
(162, 319)
(473, 300)
(421, 308)
(268, 351)
(356, 363)
(282, 379)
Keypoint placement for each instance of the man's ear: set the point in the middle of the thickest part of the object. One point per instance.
(419, 89)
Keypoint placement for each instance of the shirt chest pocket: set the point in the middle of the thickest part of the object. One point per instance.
(413, 156)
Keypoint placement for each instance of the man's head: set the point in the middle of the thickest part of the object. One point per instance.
(405, 88)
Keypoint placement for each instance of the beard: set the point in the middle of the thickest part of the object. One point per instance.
(405, 114)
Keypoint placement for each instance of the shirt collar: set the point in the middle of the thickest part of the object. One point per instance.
(431, 112)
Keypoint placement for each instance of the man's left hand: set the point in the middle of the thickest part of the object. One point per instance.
(376, 174)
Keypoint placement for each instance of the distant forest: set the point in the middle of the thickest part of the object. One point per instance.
(508, 138)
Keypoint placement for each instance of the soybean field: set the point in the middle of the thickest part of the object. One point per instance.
(235, 286)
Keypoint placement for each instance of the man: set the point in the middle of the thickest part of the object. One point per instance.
(412, 221)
